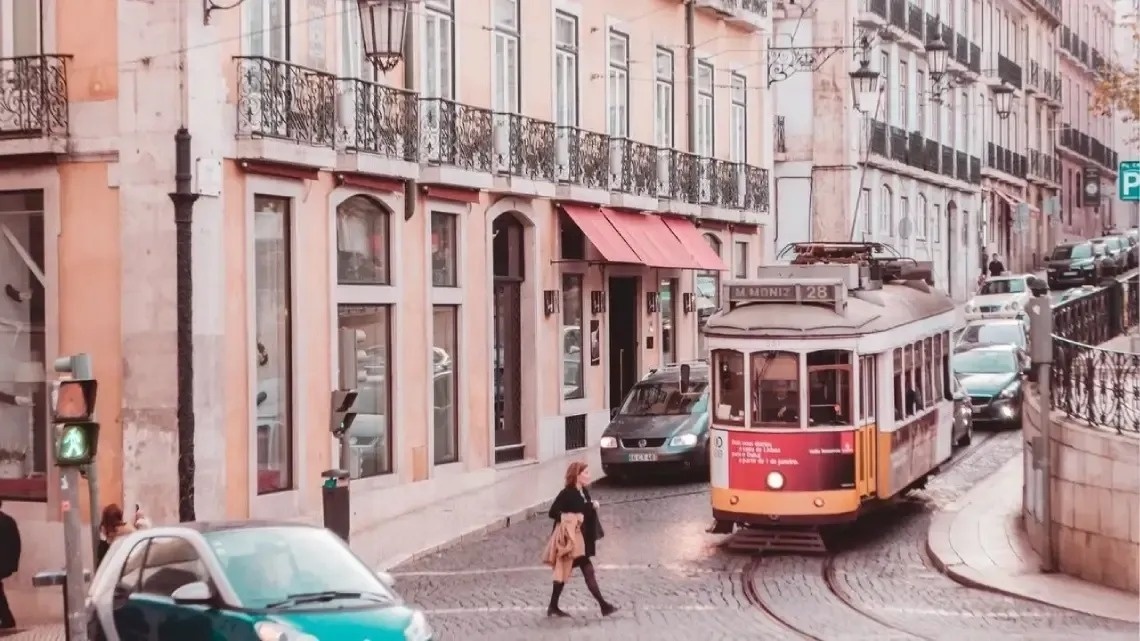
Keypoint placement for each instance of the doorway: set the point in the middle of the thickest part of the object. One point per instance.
(508, 268)
(623, 343)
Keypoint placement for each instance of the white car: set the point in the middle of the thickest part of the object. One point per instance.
(1000, 297)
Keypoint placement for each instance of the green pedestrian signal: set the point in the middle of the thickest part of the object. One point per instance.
(77, 444)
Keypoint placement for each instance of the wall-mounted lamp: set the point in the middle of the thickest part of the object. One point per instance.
(550, 301)
(652, 302)
(597, 302)
(687, 302)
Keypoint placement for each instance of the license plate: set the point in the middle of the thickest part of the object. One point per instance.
(1070, 273)
(642, 458)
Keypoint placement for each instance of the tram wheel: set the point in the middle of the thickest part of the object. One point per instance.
(967, 438)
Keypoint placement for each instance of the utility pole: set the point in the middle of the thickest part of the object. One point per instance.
(184, 198)
(1040, 312)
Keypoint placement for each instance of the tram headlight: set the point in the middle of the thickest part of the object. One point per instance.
(775, 481)
(607, 443)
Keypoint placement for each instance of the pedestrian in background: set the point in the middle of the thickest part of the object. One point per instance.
(997, 268)
(574, 502)
(112, 527)
(9, 563)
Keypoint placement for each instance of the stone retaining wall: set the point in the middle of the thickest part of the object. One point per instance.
(1096, 499)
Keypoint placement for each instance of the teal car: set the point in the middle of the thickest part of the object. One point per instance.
(244, 581)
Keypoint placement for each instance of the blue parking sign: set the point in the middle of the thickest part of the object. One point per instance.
(1128, 181)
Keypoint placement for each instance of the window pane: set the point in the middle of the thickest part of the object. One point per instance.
(667, 299)
(362, 242)
(566, 30)
(829, 385)
(170, 564)
(25, 28)
(740, 260)
(273, 352)
(446, 60)
(573, 383)
(23, 393)
(370, 437)
(506, 14)
(443, 250)
(776, 389)
(728, 387)
(665, 65)
(704, 78)
(618, 50)
(445, 399)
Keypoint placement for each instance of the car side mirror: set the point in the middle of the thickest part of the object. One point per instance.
(387, 579)
(196, 593)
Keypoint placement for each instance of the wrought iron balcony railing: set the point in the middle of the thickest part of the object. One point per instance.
(961, 165)
(633, 167)
(1033, 78)
(33, 97)
(915, 18)
(1035, 165)
(1009, 71)
(897, 18)
(525, 147)
(583, 157)
(879, 138)
(947, 166)
(877, 7)
(677, 175)
(282, 100)
(898, 144)
(930, 155)
(377, 119)
(759, 7)
(914, 150)
(933, 28)
(975, 58)
(962, 51)
(756, 194)
(457, 135)
(975, 170)
(1096, 60)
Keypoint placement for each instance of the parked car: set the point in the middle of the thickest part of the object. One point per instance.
(1077, 292)
(1073, 264)
(662, 425)
(963, 430)
(1116, 248)
(992, 377)
(1000, 297)
(1000, 332)
(244, 580)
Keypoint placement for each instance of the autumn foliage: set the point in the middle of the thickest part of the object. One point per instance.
(1118, 90)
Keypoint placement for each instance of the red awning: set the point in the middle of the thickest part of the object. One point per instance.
(651, 239)
(598, 230)
(695, 243)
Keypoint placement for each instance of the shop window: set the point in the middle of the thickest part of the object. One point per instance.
(445, 396)
(23, 391)
(273, 353)
(776, 389)
(728, 389)
(362, 242)
(573, 374)
(869, 389)
(829, 388)
(571, 240)
(444, 256)
(370, 436)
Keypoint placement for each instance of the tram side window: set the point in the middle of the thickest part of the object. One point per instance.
(776, 389)
(868, 389)
(928, 372)
(829, 382)
(898, 390)
(947, 389)
(913, 394)
(936, 367)
(728, 392)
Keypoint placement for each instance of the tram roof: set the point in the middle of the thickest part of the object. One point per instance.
(860, 311)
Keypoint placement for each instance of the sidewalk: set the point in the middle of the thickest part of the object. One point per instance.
(979, 542)
(520, 492)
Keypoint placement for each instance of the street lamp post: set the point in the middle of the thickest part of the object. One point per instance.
(937, 54)
(1003, 100)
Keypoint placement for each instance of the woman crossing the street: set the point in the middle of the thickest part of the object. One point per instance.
(574, 538)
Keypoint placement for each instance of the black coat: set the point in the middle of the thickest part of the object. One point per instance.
(571, 501)
(9, 546)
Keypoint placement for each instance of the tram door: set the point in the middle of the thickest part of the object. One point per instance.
(866, 438)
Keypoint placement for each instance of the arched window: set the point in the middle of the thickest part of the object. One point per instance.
(922, 220)
(776, 389)
(829, 388)
(362, 246)
(886, 213)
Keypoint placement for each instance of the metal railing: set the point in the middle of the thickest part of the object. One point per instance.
(1092, 384)
(915, 17)
(1009, 71)
(897, 17)
(633, 167)
(458, 135)
(377, 119)
(33, 97)
(282, 100)
(525, 147)
(962, 51)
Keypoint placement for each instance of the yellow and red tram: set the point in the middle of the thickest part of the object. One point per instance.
(830, 388)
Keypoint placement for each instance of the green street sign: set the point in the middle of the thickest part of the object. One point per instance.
(1128, 181)
(77, 444)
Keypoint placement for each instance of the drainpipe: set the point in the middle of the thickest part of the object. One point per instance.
(410, 185)
(691, 63)
(183, 197)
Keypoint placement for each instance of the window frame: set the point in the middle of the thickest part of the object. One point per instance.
(936, 218)
(738, 118)
(886, 211)
(448, 296)
(456, 397)
(454, 279)
(868, 389)
(904, 98)
(569, 102)
(715, 398)
(202, 576)
(506, 33)
(740, 258)
(617, 86)
(922, 215)
(848, 368)
(865, 208)
(442, 12)
(705, 143)
(580, 392)
(263, 30)
(664, 133)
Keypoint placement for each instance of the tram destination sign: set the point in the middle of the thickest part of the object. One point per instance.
(784, 293)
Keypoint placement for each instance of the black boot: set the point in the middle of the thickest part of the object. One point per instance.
(592, 585)
(553, 610)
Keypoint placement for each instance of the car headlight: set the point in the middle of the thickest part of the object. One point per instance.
(271, 631)
(775, 480)
(418, 628)
(1009, 392)
(608, 442)
(1015, 305)
(684, 440)
(971, 307)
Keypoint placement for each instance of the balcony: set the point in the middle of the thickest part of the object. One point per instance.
(633, 173)
(377, 127)
(583, 158)
(947, 166)
(34, 114)
(962, 165)
(746, 13)
(1048, 9)
(975, 170)
(922, 154)
(915, 18)
(898, 15)
(525, 151)
(282, 106)
(879, 143)
(1009, 71)
(962, 51)
(975, 59)
(898, 145)
(1096, 60)
(930, 155)
(872, 13)
(915, 149)
(1033, 78)
(457, 143)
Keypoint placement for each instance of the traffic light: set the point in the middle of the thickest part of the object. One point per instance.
(73, 411)
(343, 411)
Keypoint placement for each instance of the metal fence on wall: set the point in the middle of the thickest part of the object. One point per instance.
(1096, 385)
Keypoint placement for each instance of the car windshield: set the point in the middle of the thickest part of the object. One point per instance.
(1073, 251)
(666, 399)
(1001, 333)
(1005, 286)
(984, 362)
(272, 565)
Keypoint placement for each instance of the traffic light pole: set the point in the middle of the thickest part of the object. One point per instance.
(80, 366)
(336, 499)
(76, 587)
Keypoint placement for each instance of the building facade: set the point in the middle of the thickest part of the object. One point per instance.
(1086, 140)
(504, 233)
(1126, 135)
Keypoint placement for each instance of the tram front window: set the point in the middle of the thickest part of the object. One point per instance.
(775, 389)
(728, 389)
(829, 388)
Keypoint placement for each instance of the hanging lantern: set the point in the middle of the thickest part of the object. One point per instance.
(864, 86)
(384, 25)
(1003, 100)
(937, 54)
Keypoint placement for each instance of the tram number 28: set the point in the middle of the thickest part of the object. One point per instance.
(817, 292)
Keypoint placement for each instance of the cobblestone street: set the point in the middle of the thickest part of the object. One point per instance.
(673, 582)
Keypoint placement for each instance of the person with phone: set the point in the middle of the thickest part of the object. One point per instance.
(112, 527)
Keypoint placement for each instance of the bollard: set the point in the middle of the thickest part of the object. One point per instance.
(58, 578)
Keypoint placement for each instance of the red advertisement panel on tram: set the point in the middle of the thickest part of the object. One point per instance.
(808, 461)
